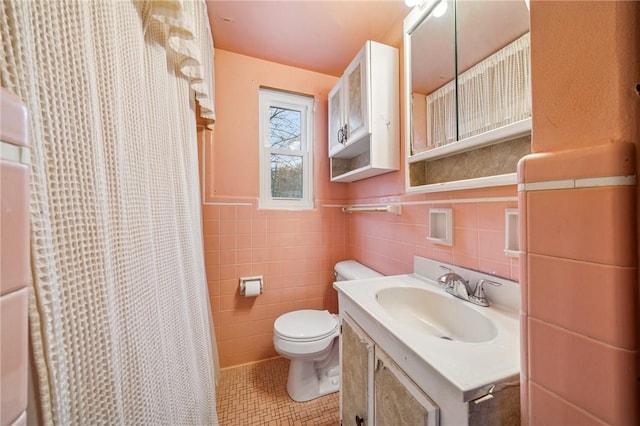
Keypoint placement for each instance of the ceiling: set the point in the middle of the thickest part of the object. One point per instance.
(317, 35)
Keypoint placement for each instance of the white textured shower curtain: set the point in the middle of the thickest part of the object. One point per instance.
(119, 315)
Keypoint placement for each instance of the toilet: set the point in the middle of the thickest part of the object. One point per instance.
(309, 339)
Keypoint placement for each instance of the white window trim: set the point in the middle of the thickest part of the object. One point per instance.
(305, 105)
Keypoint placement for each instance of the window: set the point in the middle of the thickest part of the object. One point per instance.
(286, 150)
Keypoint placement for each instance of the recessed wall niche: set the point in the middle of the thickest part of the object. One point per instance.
(441, 226)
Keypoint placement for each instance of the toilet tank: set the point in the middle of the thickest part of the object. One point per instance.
(351, 270)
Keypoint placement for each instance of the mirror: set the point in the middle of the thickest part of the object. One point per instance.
(493, 65)
(433, 67)
(467, 88)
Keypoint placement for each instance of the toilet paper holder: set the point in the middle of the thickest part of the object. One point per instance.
(250, 281)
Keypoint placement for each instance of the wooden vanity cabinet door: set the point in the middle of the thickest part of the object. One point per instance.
(357, 357)
(398, 401)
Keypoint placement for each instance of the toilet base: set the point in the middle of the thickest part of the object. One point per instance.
(306, 382)
(310, 379)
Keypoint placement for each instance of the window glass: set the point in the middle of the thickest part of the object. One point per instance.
(284, 128)
(286, 150)
(286, 176)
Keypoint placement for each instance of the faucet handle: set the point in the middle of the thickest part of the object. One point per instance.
(479, 297)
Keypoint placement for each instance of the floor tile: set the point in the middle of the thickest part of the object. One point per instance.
(255, 394)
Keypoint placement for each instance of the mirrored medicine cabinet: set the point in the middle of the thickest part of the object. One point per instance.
(467, 93)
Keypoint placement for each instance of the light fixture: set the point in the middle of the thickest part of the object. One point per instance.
(440, 9)
(412, 3)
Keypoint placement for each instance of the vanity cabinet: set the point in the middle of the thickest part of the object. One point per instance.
(375, 391)
(364, 118)
(397, 400)
(356, 360)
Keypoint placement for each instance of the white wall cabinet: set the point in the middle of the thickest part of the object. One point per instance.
(348, 108)
(364, 119)
(375, 391)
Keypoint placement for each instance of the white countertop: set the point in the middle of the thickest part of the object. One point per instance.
(470, 368)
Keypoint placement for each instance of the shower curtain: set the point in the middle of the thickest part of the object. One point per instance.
(120, 326)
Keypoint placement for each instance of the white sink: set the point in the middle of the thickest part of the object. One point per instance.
(436, 314)
(411, 317)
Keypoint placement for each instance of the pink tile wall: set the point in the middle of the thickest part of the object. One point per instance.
(388, 243)
(546, 405)
(15, 272)
(586, 373)
(295, 252)
(580, 297)
(14, 264)
(13, 355)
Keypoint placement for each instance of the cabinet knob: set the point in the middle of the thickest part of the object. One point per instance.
(341, 135)
(359, 421)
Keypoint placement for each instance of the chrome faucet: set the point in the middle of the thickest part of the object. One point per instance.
(457, 286)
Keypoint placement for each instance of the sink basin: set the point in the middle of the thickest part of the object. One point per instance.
(438, 315)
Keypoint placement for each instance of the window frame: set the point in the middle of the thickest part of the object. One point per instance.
(305, 105)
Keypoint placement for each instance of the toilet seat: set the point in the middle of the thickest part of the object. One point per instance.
(305, 325)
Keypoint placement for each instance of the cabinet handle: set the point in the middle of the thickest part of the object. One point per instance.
(345, 134)
(341, 135)
(359, 421)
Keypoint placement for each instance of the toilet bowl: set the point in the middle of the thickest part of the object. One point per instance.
(309, 339)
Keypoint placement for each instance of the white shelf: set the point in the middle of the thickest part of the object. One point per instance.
(492, 137)
(483, 182)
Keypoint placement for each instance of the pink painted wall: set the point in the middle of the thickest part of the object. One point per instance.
(238, 79)
(580, 333)
(585, 60)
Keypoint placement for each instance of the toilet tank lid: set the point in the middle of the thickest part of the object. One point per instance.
(352, 270)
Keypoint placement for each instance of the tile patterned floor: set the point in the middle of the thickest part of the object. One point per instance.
(256, 394)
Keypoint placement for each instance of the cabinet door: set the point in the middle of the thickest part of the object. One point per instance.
(356, 363)
(336, 119)
(355, 80)
(398, 401)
